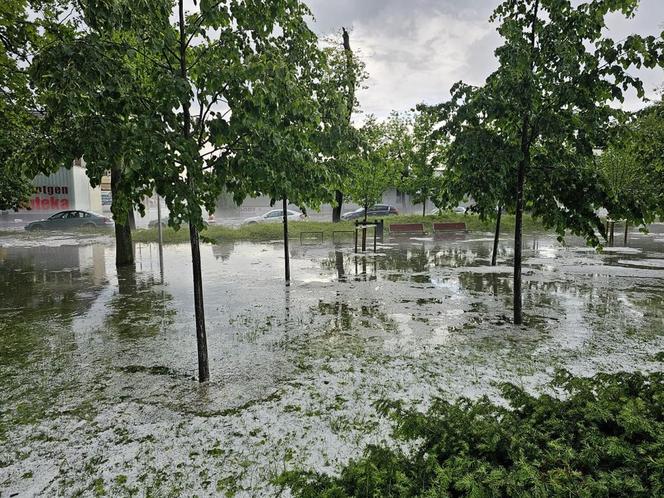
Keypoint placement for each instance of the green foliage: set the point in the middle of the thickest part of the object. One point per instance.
(226, 97)
(19, 39)
(243, 76)
(286, 129)
(15, 187)
(544, 110)
(93, 96)
(372, 170)
(481, 160)
(633, 166)
(603, 437)
(418, 150)
(343, 75)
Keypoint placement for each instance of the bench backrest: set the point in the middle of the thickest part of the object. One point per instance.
(449, 227)
(406, 228)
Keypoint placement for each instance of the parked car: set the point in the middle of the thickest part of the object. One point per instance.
(275, 215)
(376, 210)
(458, 209)
(70, 219)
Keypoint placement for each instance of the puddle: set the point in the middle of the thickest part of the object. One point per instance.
(97, 367)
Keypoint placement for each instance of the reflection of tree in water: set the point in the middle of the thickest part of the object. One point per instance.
(345, 316)
(223, 250)
(359, 268)
(337, 262)
(412, 258)
(496, 284)
(42, 292)
(603, 307)
(137, 307)
(420, 258)
(339, 265)
(43, 283)
(456, 256)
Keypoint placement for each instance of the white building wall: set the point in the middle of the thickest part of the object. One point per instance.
(67, 188)
(53, 192)
(85, 197)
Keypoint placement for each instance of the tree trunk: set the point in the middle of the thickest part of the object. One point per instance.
(518, 241)
(132, 219)
(364, 229)
(350, 74)
(286, 252)
(626, 228)
(350, 103)
(424, 207)
(124, 247)
(201, 337)
(160, 233)
(524, 162)
(496, 237)
(339, 263)
(336, 210)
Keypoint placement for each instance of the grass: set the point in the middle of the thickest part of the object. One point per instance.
(274, 231)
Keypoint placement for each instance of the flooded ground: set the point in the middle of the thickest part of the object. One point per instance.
(97, 368)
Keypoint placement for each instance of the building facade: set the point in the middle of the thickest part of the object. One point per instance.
(67, 188)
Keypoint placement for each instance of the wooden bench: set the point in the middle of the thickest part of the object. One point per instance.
(449, 227)
(407, 229)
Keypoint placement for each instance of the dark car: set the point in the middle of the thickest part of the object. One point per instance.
(375, 210)
(67, 220)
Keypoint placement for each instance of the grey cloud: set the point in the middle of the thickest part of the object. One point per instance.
(416, 49)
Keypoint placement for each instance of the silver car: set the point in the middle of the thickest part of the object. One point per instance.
(458, 210)
(274, 216)
(71, 219)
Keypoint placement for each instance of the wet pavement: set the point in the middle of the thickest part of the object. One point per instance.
(97, 367)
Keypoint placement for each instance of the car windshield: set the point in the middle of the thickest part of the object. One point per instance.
(57, 216)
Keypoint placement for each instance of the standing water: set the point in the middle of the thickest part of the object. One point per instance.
(97, 368)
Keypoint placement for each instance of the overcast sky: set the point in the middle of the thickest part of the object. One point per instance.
(415, 50)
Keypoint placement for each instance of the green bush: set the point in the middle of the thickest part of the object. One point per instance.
(604, 436)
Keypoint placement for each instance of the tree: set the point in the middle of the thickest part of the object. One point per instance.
(19, 38)
(100, 103)
(479, 161)
(416, 146)
(557, 75)
(350, 83)
(212, 70)
(400, 147)
(216, 65)
(371, 170)
(644, 144)
(285, 129)
(633, 167)
(648, 148)
(344, 76)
